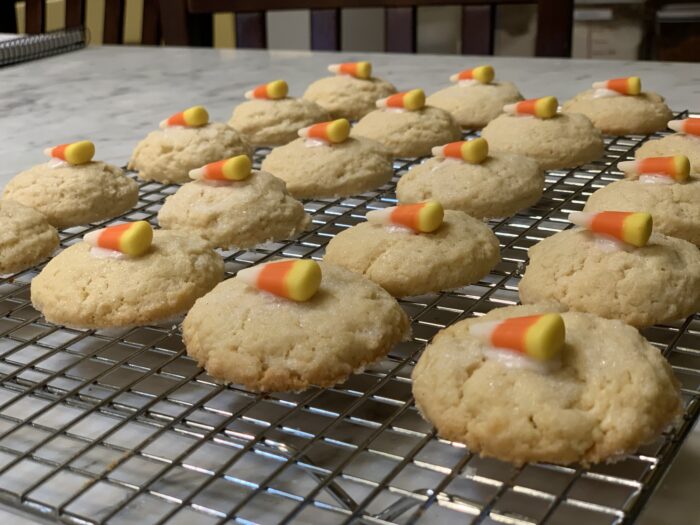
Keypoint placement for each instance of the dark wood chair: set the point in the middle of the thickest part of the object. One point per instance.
(188, 22)
(113, 29)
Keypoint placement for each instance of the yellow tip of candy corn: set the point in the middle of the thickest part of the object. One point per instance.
(237, 168)
(277, 89)
(546, 107)
(545, 338)
(363, 70)
(484, 74)
(196, 116)
(80, 152)
(681, 163)
(634, 85)
(137, 239)
(414, 99)
(430, 216)
(338, 130)
(303, 280)
(636, 229)
(475, 151)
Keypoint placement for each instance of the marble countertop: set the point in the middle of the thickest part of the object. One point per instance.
(115, 95)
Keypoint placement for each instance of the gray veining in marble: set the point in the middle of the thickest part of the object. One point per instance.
(115, 95)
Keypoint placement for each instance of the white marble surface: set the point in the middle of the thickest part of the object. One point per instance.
(115, 95)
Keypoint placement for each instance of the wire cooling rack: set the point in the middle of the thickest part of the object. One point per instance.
(122, 427)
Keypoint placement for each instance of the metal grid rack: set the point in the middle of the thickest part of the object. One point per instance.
(120, 426)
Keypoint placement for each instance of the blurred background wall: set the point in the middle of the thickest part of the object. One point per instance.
(601, 29)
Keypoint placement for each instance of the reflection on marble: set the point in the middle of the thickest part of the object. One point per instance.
(115, 95)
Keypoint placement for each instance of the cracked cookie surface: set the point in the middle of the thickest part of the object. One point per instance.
(641, 286)
(613, 392)
(266, 343)
(404, 263)
(80, 290)
(240, 214)
(168, 155)
(25, 237)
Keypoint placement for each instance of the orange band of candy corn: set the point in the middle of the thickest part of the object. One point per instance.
(545, 107)
(133, 238)
(298, 279)
(232, 169)
(630, 227)
(676, 168)
(409, 100)
(474, 151)
(424, 217)
(74, 153)
(334, 132)
(275, 90)
(624, 86)
(539, 336)
(689, 126)
(482, 74)
(361, 70)
(193, 117)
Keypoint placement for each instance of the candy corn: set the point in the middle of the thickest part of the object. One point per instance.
(624, 86)
(234, 168)
(334, 132)
(689, 126)
(539, 336)
(545, 107)
(75, 153)
(631, 227)
(355, 69)
(274, 90)
(676, 167)
(295, 279)
(132, 238)
(473, 151)
(193, 117)
(424, 217)
(410, 100)
(482, 74)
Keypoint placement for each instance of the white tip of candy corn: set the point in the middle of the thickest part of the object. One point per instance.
(676, 125)
(627, 166)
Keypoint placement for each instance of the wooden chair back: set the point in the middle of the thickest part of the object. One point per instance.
(188, 22)
(113, 28)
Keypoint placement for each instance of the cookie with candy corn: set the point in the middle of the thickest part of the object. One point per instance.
(321, 168)
(406, 127)
(499, 185)
(673, 206)
(89, 286)
(270, 118)
(168, 155)
(557, 410)
(562, 141)
(290, 324)
(685, 141)
(618, 106)
(452, 250)
(241, 212)
(475, 98)
(350, 92)
(26, 237)
(72, 189)
(611, 268)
